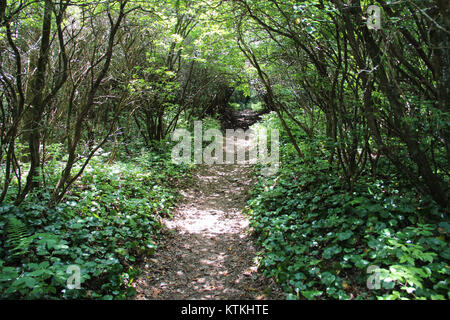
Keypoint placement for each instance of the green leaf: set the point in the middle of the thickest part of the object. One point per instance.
(345, 235)
(327, 278)
(311, 294)
(331, 251)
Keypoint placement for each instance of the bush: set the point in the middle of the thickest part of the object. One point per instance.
(318, 239)
(106, 223)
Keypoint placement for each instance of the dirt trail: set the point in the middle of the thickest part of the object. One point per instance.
(207, 252)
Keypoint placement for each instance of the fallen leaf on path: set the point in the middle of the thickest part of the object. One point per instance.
(155, 292)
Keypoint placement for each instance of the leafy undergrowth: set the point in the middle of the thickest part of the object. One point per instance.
(107, 222)
(320, 241)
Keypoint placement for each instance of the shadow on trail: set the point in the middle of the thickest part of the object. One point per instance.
(240, 119)
(207, 252)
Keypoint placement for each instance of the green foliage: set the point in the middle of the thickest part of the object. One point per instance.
(235, 105)
(108, 221)
(257, 106)
(319, 238)
(210, 123)
(17, 237)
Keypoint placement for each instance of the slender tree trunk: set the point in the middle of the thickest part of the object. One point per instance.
(37, 106)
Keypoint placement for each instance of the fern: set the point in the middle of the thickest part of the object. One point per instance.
(18, 237)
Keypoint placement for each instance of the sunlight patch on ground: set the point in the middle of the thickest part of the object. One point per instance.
(197, 221)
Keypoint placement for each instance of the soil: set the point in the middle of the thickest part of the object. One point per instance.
(207, 251)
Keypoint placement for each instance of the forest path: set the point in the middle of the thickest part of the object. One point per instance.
(207, 251)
